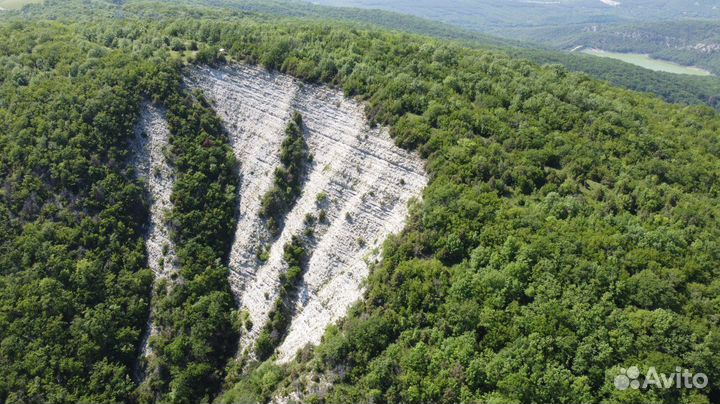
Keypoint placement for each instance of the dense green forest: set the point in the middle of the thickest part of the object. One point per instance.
(570, 228)
(288, 177)
(73, 284)
(643, 38)
(75, 290)
(675, 88)
(670, 87)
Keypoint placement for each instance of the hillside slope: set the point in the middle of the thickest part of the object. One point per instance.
(365, 182)
(670, 87)
(152, 140)
(568, 230)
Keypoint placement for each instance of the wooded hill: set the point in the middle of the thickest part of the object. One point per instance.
(569, 229)
(673, 88)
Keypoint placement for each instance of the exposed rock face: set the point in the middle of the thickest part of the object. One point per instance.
(367, 180)
(153, 138)
(151, 165)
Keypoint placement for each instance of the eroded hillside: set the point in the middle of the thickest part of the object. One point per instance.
(152, 167)
(356, 176)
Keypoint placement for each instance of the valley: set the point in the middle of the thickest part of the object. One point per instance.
(518, 18)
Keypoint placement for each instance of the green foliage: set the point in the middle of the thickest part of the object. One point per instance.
(74, 289)
(195, 316)
(670, 87)
(209, 55)
(279, 318)
(569, 228)
(257, 386)
(551, 193)
(675, 88)
(287, 185)
(321, 198)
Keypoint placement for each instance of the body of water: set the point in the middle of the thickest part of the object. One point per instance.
(649, 63)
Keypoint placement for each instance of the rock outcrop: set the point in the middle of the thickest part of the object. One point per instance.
(364, 182)
(151, 164)
(152, 137)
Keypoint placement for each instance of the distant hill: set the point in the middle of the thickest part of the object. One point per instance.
(502, 16)
(386, 19)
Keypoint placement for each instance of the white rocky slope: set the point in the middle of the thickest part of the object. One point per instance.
(151, 165)
(151, 140)
(367, 179)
